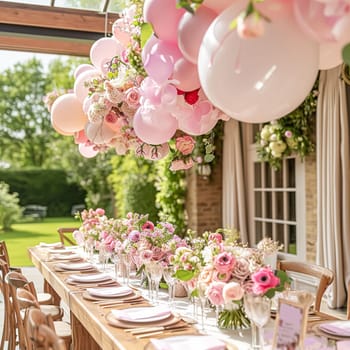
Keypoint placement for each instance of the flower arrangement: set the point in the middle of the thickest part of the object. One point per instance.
(290, 134)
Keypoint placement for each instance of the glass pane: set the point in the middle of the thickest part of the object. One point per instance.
(257, 175)
(267, 175)
(268, 229)
(258, 204)
(258, 231)
(279, 178)
(291, 172)
(31, 2)
(291, 206)
(268, 205)
(292, 246)
(279, 205)
(82, 5)
(255, 129)
(280, 233)
(117, 5)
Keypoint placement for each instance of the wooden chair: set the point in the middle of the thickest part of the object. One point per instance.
(64, 238)
(27, 302)
(40, 332)
(9, 322)
(324, 275)
(16, 280)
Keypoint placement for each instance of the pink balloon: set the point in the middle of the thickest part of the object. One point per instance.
(146, 50)
(252, 91)
(81, 69)
(201, 121)
(87, 151)
(312, 20)
(103, 50)
(159, 67)
(155, 46)
(341, 29)
(187, 75)
(80, 137)
(64, 133)
(330, 55)
(155, 127)
(99, 133)
(217, 5)
(67, 114)
(80, 89)
(120, 32)
(191, 31)
(164, 17)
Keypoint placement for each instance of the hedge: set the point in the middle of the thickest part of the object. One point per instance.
(46, 187)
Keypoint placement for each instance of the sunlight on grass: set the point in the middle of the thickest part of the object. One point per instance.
(29, 234)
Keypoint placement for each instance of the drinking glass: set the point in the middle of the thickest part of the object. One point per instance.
(202, 296)
(168, 274)
(258, 309)
(104, 255)
(116, 260)
(125, 263)
(156, 273)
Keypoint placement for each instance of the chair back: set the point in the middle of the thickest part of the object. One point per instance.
(324, 275)
(40, 331)
(64, 238)
(4, 252)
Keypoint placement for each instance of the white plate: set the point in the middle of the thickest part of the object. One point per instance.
(65, 256)
(75, 266)
(50, 245)
(60, 251)
(142, 314)
(99, 277)
(109, 292)
(338, 328)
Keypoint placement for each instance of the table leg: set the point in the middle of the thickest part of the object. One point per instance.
(56, 300)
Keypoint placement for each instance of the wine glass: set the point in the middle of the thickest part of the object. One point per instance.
(115, 256)
(125, 263)
(202, 296)
(168, 274)
(104, 255)
(258, 310)
(156, 273)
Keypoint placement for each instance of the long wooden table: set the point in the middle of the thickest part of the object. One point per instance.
(89, 326)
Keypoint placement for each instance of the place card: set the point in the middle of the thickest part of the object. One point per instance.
(290, 325)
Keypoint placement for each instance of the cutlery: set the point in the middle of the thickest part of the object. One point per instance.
(171, 331)
(142, 330)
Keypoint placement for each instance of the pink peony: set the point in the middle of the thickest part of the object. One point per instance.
(215, 293)
(217, 237)
(264, 279)
(148, 225)
(185, 144)
(251, 26)
(232, 291)
(224, 262)
(100, 211)
(179, 164)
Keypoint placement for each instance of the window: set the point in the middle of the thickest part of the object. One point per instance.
(276, 201)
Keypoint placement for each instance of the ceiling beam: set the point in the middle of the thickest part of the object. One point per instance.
(55, 17)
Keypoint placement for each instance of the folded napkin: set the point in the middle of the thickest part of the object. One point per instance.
(50, 245)
(75, 266)
(109, 291)
(343, 345)
(142, 314)
(202, 342)
(96, 277)
(340, 328)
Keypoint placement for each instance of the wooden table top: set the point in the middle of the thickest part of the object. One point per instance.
(90, 315)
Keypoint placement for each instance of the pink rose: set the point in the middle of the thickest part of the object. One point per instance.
(250, 27)
(215, 293)
(264, 279)
(222, 276)
(206, 275)
(224, 262)
(132, 97)
(100, 211)
(217, 237)
(148, 225)
(241, 271)
(232, 291)
(134, 236)
(185, 144)
(179, 164)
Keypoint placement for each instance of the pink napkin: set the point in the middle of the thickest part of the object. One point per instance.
(142, 314)
(202, 342)
(343, 345)
(341, 328)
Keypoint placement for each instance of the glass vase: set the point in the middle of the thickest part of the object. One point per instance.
(232, 316)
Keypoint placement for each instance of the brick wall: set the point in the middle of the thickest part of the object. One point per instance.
(204, 200)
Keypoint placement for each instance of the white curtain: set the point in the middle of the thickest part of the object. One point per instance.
(333, 183)
(234, 194)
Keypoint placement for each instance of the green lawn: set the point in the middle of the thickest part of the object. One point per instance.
(29, 234)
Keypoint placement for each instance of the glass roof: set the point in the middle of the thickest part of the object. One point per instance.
(93, 5)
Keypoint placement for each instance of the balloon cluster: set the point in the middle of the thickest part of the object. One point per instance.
(195, 70)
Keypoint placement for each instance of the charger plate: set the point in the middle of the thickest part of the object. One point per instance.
(123, 324)
(129, 297)
(316, 329)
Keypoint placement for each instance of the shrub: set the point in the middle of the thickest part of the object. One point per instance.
(10, 210)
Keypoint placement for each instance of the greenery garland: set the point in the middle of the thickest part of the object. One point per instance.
(291, 134)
